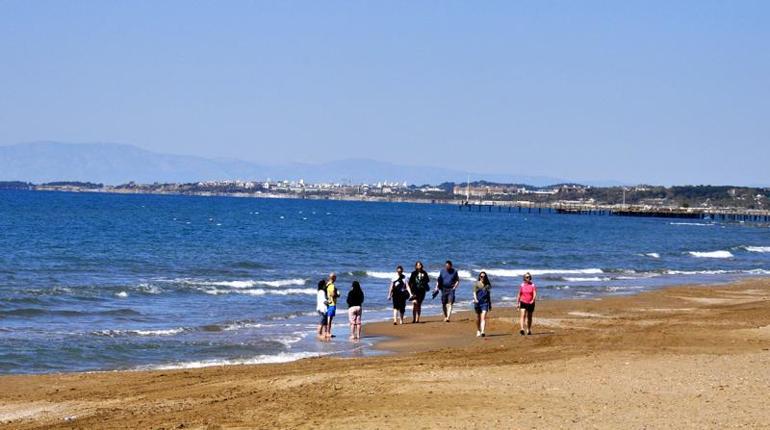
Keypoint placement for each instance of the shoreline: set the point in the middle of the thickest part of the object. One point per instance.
(615, 361)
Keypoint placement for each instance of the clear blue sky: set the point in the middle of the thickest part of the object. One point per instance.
(655, 92)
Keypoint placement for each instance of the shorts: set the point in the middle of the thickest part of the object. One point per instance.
(448, 296)
(527, 306)
(323, 317)
(482, 307)
(419, 295)
(354, 314)
(331, 311)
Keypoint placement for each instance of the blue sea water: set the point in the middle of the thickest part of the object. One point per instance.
(107, 281)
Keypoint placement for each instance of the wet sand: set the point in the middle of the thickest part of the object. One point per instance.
(683, 357)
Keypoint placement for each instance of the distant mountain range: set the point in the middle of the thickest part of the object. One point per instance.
(115, 164)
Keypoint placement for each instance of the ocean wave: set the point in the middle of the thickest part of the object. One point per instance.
(593, 279)
(757, 272)
(262, 292)
(147, 288)
(698, 224)
(712, 254)
(618, 288)
(159, 332)
(697, 272)
(516, 273)
(283, 357)
(652, 255)
(379, 275)
(463, 274)
(751, 272)
(121, 294)
(33, 312)
(240, 325)
(289, 340)
(283, 283)
(242, 284)
(762, 249)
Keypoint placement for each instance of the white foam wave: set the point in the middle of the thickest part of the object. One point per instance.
(380, 275)
(762, 249)
(466, 274)
(149, 288)
(623, 288)
(294, 291)
(262, 292)
(288, 341)
(697, 272)
(712, 254)
(242, 284)
(593, 279)
(282, 283)
(652, 255)
(122, 294)
(719, 272)
(232, 284)
(758, 272)
(283, 357)
(516, 273)
(699, 224)
(238, 326)
(160, 332)
(166, 332)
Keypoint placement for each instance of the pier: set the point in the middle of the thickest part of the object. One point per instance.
(712, 214)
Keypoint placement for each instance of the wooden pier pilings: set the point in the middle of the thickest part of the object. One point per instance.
(713, 214)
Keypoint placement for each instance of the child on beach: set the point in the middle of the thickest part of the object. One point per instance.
(526, 300)
(355, 300)
(331, 298)
(482, 302)
(321, 307)
(399, 292)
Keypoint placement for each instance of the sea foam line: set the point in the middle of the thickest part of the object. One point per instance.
(463, 274)
(160, 332)
(698, 224)
(241, 284)
(593, 279)
(712, 254)
(283, 357)
(762, 249)
(515, 273)
(262, 292)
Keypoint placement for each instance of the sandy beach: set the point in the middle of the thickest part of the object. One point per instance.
(683, 357)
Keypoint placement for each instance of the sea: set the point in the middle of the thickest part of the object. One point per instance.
(99, 282)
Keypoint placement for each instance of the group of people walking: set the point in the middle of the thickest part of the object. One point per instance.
(414, 289)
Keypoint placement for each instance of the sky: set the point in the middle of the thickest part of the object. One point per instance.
(635, 91)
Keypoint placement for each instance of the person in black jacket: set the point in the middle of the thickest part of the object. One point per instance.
(355, 300)
(419, 284)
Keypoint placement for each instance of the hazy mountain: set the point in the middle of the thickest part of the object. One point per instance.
(115, 164)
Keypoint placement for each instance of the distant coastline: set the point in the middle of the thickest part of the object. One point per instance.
(729, 202)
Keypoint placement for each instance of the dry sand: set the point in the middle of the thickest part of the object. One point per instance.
(686, 357)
